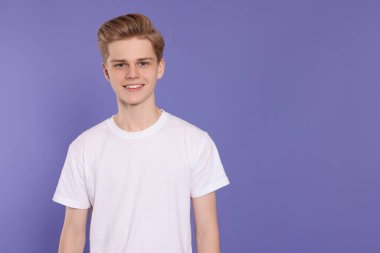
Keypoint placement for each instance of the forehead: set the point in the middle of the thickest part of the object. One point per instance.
(130, 49)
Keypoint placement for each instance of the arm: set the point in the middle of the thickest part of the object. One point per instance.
(206, 223)
(73, 236)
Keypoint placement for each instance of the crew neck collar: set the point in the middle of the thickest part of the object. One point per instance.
(139, 134)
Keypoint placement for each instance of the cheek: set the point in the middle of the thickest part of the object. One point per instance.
(149, 74)
(117, 75)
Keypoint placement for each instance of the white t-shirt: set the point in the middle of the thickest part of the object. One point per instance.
(139, 184)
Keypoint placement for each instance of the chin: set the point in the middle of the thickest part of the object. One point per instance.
(131, 101)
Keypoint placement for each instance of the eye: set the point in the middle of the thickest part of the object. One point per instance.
(119, 65)
(144, 63)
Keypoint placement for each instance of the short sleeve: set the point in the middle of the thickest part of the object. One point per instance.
(207, 174)
(71, 188)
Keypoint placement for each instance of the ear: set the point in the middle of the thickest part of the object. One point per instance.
(105, 72)
(161, 68)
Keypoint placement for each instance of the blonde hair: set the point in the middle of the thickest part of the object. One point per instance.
(129, 26)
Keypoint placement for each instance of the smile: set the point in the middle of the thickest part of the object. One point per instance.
(134, 87)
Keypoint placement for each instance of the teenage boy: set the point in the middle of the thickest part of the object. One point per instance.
(139, 169)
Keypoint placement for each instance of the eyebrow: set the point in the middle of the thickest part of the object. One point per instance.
(139, 59)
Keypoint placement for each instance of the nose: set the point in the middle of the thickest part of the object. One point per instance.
(132, 72)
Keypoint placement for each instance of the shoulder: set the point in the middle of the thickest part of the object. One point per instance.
(90, 135)
(186, 128)
(195, 139)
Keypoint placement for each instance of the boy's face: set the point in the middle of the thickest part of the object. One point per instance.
(133, 61)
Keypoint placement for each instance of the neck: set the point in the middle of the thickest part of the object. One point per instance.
(137, 118)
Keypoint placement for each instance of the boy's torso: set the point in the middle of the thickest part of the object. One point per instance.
(140, 188)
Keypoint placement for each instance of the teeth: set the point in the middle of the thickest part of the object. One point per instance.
(134, 86)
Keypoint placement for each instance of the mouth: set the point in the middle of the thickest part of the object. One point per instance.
(133, 87)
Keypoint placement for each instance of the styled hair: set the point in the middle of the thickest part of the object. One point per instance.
(129, 26)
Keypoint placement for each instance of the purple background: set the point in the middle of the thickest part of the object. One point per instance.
(288, 90)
